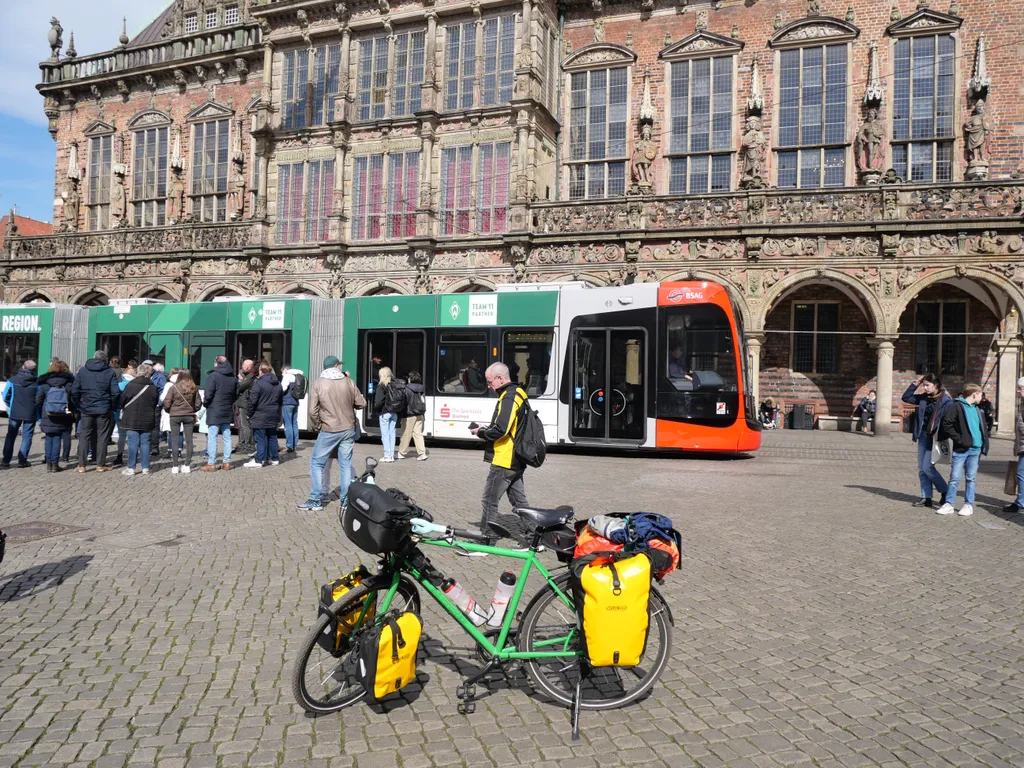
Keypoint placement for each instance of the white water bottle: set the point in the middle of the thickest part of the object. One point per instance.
(502, 594)
(454, 591)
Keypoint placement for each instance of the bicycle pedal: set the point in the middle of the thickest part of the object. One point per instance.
(466, 692)
(466, 708)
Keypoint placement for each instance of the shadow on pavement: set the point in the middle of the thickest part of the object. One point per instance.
(988, 503)
(39, 578)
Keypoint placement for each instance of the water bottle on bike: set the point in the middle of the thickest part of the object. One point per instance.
(455, 592)
(499, 603)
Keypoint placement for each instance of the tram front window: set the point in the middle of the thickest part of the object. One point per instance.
(698, 365)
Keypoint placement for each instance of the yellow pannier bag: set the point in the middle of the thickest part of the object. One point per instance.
(335, 637)
(612, 590)
(387, 653)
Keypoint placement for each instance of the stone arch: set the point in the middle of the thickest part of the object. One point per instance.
(471, 285)
(1011, 289)
(156, 291)
(853, 288)
(221, 289)
(301, 287)
(594, 281)
(382, 288)
(90, 297)
(33, 295)
(734, 291)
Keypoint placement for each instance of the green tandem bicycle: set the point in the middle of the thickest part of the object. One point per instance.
(544, 637)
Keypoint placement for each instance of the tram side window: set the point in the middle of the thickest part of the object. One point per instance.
(125, 346)
(17, 348)
(461, 362)
(700, 352)
(528, 357)
(271, 347)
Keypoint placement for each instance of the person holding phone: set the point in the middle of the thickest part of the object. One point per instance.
(931, 399)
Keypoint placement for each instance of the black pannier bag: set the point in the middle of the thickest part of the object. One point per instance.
(374, 520)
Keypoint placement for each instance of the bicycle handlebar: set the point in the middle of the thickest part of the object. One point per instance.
(421, 527)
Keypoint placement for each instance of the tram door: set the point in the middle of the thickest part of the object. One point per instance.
(126, 346)
(607, 395)
(401, 351)
(273, 347)
(201, 350)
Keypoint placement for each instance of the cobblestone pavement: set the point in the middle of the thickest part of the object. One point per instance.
(819, 619)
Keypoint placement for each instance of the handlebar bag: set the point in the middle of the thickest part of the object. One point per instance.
(374, 520)
(612, 591)
(387, 653)
(335, 638)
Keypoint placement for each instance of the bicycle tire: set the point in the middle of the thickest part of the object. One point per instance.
(557, 678)
(407, 598)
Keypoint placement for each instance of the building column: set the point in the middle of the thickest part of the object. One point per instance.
(754, 343)
(1006, 395)
(884, 348)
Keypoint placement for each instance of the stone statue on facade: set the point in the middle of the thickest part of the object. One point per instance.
(176, 197)
(752, 147)
(644, 154)
(71, 203)
(977, 132)
(236, 197)
(869, 148)
(55, 38)
(118, 201)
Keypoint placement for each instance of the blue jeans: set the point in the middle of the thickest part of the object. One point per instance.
(326, 444)
(926, 471)
(290, 414)
(971, 458)
(27, 428)
(211, 442)
(266, 445)
(388, 422)
(138, 448)
(1020, 481)
(53, 443)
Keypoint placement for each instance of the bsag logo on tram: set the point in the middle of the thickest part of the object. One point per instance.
(679, 294)
(20, 323)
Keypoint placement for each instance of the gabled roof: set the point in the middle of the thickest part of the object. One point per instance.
(26, 227)
(154, 31)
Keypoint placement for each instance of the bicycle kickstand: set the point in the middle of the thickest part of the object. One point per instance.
(466, 693)
(576, 702)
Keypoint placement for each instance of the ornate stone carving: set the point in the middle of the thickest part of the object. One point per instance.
(176, 196)
(118, 202)
(907, 277)
(257, 272)
(988, 243)
(55, 38)
(242, 68)
(890, 245)
(874, 92)
(754, 245)
(756, 101)
(975, 202)
(711, 249)
(676, 250)
(771, 276)
(790, 246)
(977, 133)
(854, 248)
(646, 149)
(236, 198)
(550, 255)
(180, 79)
(977, 87)
(598, 254)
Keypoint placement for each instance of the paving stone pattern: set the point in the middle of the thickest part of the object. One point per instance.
(819, 619)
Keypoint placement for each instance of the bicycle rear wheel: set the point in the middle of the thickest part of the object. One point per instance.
(549, 624)
(324, 682)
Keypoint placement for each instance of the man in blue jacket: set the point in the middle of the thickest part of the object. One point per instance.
(932, 401)
(20, 398)
(97, 394)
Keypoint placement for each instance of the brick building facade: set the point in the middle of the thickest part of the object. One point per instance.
(849, 171)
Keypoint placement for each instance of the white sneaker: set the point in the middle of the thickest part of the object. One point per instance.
(422, 457)
(128, 472)
(966, 510)
(399, 455)
(145, 471)
(252, 464)
(185, 469)
(274, 463)
(175, 470)
(387, 460)
(945, 509)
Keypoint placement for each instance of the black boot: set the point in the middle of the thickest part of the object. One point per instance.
(57, 467)
(49, 466)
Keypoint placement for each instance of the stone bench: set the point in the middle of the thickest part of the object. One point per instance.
(851, 423)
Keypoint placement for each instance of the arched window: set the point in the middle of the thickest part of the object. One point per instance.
(221, 292)
(35, 298)
(93, 299)
(157, 293)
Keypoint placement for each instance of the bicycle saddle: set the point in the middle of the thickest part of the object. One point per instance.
(545, 518)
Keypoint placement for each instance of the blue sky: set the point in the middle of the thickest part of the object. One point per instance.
(26, 150)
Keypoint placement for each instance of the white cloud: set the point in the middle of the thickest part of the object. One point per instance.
(97, 27)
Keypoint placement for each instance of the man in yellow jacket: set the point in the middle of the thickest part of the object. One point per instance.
(506, 472)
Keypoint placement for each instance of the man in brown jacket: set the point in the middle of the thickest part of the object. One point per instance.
(333, 399)
(1018, 450)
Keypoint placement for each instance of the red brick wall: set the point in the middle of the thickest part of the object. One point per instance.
(1001, 23)
(73, 123)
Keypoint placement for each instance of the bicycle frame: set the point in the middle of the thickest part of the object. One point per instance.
(498, 648)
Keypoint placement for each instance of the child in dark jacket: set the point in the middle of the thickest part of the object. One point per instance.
(55, 421)
(963, 423)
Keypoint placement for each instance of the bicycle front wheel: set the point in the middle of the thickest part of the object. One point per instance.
(549, 624)
(323, 681)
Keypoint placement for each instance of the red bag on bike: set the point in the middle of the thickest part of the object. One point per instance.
(664, 552)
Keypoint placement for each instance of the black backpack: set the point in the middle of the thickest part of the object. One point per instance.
(415, 405)
(394, 397)
(299, 387)
(528, 445)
